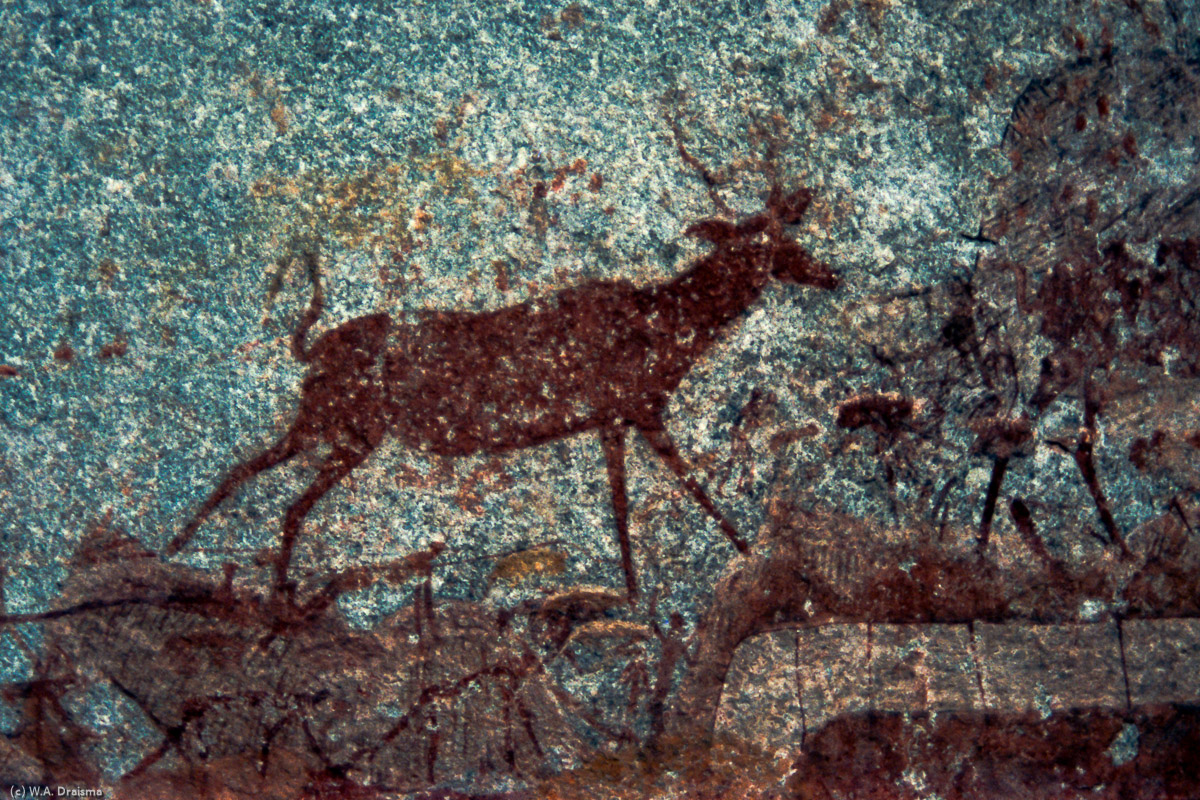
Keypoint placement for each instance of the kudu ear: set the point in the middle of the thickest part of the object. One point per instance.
(791, 208)
(713, 230)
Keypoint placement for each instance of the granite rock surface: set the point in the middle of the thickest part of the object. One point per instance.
(901, 296)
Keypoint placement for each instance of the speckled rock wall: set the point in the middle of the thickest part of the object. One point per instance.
(989, 416)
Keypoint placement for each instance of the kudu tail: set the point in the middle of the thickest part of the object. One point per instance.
(312, 262)
(286, 447)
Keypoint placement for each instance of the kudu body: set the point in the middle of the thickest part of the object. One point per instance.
(603, 356)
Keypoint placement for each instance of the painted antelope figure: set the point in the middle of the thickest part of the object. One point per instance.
(603, 356)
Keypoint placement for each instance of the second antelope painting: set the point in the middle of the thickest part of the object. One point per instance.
(603, 356)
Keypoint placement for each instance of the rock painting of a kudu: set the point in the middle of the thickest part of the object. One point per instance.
(602, 356)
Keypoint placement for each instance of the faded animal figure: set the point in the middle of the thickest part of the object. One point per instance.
(603, 356)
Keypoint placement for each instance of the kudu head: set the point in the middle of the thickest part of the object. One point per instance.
(790, 262)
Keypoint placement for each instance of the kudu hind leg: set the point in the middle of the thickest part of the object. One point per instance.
(662, 444)
(284, 449)
(613, 441)
(336, 467)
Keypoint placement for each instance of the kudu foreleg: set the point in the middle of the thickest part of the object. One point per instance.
(660, 440)
(613, 441)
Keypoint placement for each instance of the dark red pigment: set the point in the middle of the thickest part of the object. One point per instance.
(114, 349)
(190, 651)
(1080, 303)
(880, 412)
(1002, 439)
(987, 754)
(603, 356)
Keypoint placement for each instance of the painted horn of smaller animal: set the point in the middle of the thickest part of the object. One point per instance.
(791, 208)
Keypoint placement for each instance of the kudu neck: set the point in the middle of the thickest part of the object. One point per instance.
(718, 288)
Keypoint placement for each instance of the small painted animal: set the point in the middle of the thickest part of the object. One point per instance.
(603, 356)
